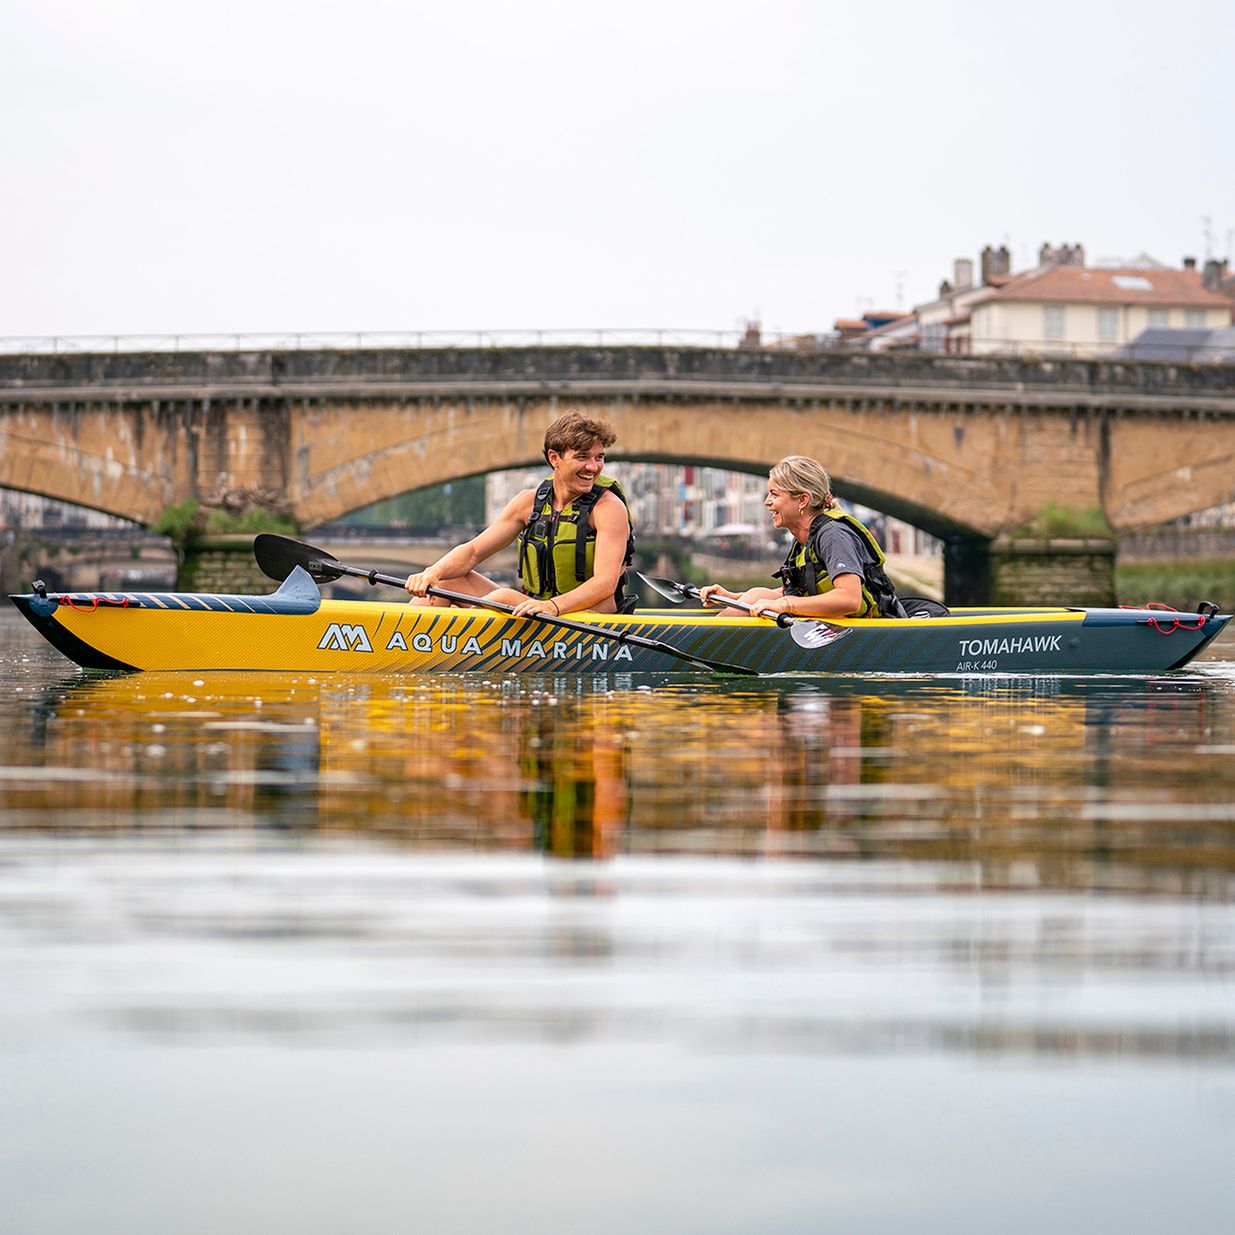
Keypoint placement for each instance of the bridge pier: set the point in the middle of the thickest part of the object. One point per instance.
(966, 572)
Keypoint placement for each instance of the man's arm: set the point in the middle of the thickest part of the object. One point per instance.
(464, 558)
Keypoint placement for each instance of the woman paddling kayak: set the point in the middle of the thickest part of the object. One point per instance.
(835, 565)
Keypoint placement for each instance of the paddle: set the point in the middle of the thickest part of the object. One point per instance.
(805, 632)
(278, 556)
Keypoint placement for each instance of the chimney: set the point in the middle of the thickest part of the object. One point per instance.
(962, 273)
(1189, 263)
(995, 262)
(1215, 271)
(1064, 255)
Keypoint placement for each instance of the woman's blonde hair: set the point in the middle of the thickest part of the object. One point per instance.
(802, 474)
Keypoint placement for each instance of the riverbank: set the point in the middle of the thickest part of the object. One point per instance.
(1179, 584)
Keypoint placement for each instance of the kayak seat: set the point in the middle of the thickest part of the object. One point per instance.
(922, 607)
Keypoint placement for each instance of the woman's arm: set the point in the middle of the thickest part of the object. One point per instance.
(844, 600)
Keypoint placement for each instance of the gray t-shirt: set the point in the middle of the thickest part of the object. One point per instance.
(841, 550)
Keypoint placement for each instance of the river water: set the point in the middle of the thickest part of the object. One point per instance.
(297, 954)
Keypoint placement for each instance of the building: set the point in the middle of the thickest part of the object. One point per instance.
(1067, 309)
(20, 510)
(850, 331)
(943, 323)
(1059, 307)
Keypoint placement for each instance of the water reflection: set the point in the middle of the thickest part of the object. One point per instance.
(1117, 784)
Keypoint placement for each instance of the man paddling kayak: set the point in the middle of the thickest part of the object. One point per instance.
(835, 565)
(574, 531)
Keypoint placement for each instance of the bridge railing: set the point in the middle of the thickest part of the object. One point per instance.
(355, 340)
(1192, 347)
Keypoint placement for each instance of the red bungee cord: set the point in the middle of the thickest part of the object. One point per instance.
(1194, 622)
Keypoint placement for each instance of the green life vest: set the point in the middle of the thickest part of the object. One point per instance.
(557, 548)
(804, 574)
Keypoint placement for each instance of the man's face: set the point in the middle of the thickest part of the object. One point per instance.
(579, 468)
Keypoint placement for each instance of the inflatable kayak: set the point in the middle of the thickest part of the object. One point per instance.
(295, 629)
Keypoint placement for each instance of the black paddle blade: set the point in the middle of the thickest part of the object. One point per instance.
(278, 555)
(670, 589)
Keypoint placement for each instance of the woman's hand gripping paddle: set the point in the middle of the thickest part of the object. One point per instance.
(805, 632)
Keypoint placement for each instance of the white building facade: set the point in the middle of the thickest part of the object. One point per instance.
(1091, 311)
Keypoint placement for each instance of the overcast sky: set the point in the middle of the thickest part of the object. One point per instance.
(178, 166)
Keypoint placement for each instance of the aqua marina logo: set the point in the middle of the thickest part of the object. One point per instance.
(340, 637)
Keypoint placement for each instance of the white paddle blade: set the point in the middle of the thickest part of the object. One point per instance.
(815, 634)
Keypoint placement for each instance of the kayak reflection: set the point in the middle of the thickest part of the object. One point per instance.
(1108, 782)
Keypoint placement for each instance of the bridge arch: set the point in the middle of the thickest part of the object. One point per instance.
(908, 479)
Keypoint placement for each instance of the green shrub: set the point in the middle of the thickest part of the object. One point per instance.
(1066, 523)
(220, 523)
(179, 523)
(1181, 584)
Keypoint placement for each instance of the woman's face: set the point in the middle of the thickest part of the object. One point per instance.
(783, 504)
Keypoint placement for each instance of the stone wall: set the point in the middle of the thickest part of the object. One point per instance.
(1205, 544)
(1052, 572)
(223, 564)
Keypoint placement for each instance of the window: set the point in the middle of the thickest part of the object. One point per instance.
(1052, 321)
(1194, 317)
(1108, 324)
(1158, 319)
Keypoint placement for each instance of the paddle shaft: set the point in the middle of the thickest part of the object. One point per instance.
(781, 619)
(375, 577)
(806, 632)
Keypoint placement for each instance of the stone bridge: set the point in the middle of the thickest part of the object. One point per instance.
(971, 449)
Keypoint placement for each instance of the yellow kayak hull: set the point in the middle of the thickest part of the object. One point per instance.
(296, 630)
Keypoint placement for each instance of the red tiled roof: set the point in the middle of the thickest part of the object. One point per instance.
(1112, 286)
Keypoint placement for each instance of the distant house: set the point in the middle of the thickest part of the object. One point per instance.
(900, 332)
(943, 323)
(1067, 309)
(860, 330)
(1059, 308)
